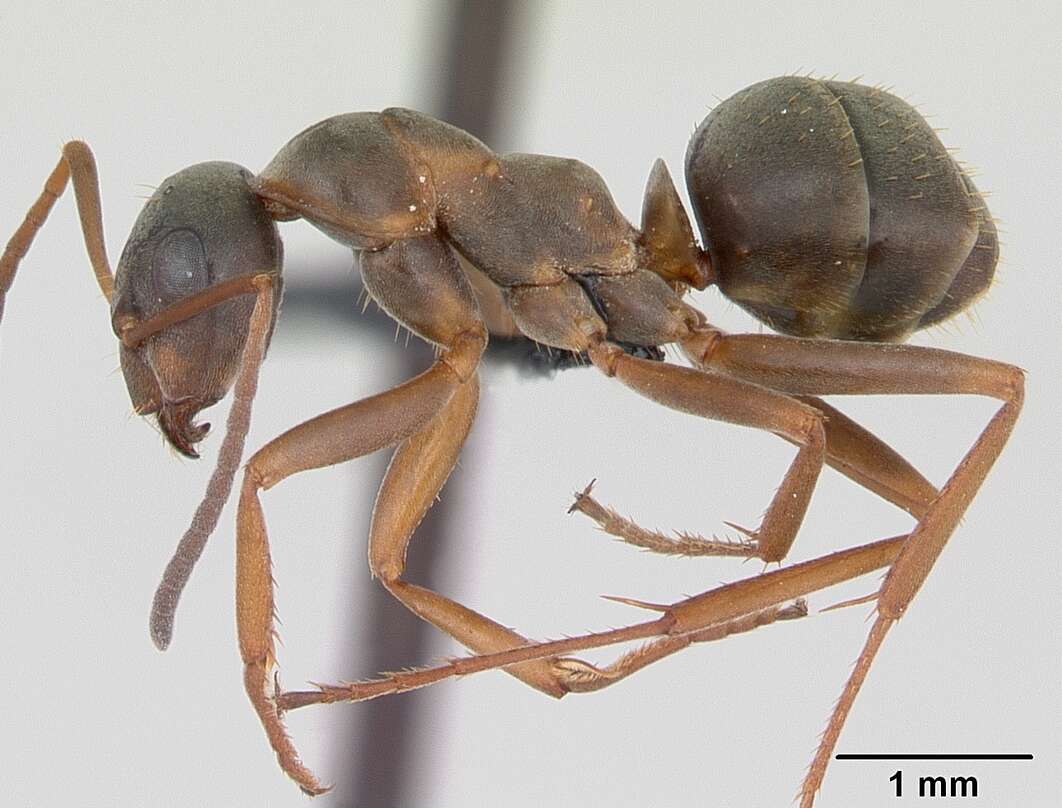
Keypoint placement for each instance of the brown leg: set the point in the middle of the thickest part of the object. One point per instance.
(334, 437)
(680, 544)
(855, 452)
(422, 463)
(578, 676)
(419, 282)
(727, 399)
(415, 476)
(77, 162)
(810, 367)
(867, 460)
(633, 661)
(719, 612)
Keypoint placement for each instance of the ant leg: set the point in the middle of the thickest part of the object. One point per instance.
(868, 461)
(415, 476)
(724, 398)
(422, 463)
(417, 472)
(420, 279)
(728, 609)
(581, 681)
(334, 437)
(579, 677)
(812, 367)
(854, 451)
(682, 543)
(76, 162)
(850, 449)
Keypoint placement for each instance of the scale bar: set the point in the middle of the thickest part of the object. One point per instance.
(934, 757)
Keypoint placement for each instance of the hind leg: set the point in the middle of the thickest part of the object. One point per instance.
(820, 367)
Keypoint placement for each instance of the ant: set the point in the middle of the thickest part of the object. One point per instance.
(828, 210)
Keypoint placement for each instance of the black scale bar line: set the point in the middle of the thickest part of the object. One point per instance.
(935, 757)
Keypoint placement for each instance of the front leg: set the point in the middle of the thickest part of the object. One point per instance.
(420, 279)
(342, 434)
(77, 162)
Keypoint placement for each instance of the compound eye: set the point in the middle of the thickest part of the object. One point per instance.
(179, 266)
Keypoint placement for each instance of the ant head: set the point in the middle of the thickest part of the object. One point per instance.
(202, 226)
(672, 252)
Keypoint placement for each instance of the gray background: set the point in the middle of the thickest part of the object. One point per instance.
(92, 503)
